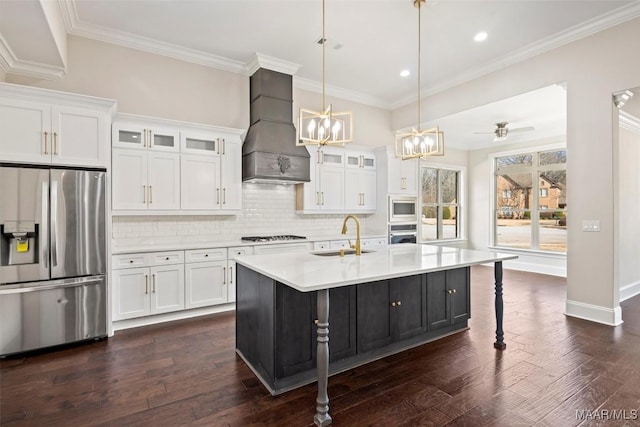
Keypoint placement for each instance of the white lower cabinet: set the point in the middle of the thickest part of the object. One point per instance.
(206, 282)
(154, 288)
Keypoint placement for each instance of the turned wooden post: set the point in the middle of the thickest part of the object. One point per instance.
(499, 344)
(322, 417)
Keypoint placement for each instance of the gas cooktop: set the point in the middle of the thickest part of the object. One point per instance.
(272, 238)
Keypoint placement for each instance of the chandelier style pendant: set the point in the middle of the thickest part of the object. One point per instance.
(324, 127)
(419, 143)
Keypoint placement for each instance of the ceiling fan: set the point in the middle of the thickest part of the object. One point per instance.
(501, 131)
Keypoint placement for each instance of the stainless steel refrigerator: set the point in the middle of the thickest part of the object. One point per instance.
(52, 257)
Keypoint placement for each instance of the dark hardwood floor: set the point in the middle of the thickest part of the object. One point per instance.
(186, 373)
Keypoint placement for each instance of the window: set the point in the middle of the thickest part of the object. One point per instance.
(522, 219)
(440, 204)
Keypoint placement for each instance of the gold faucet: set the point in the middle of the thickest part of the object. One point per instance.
(344, 231)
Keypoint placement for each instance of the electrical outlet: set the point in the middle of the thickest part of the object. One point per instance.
(591, 225)
(156, 225)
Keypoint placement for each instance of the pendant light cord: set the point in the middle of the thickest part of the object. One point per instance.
(324, 40)
(419, 68)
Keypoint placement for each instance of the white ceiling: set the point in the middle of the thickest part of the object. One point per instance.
(376, 39)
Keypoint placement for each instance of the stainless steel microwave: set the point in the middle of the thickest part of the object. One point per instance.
(403, 209)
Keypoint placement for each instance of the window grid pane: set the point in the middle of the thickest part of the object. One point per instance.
(440, 207)
(530, 201)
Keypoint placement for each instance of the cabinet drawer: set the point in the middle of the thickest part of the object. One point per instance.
(240, 250)
(340, 244)
(162, 258)
(212, 254)
(129, 261)
(372, 243)
(321, 245)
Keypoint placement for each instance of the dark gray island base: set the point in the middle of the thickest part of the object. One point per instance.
(292, 309)
(279, 332)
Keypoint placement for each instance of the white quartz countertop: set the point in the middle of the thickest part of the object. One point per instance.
(306, 271)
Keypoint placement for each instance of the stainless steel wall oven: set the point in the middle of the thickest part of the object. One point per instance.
(403, 233)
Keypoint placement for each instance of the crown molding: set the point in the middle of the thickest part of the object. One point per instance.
(349, 95)
(76, 27)
(588, 28)
(629, 122)
(12, 65)
(271, 63)
(145, 44)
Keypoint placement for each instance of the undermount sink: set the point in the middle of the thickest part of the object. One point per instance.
(337, 253)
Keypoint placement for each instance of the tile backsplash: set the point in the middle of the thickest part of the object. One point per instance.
(267, 209)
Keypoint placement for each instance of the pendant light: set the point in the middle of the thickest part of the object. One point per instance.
(324, 127)
(419, 143)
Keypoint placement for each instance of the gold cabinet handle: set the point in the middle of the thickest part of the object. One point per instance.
(224, 147)
(55, 143)
(217, 196)
(224, 275)
(46, 147)
(449, 291)
(151, 194)
(146, 284)
(399, 303)
(318, 198)
(153, 289)
(144, 140)
(454, 291)
(231, 275)
(322, 194)
(315, 321)
(224, 195)
(144, 194)
(393, 304)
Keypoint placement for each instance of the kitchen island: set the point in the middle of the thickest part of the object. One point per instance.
(382, 302)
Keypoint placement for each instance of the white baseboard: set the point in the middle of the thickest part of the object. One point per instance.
(629, 291)
(552, 270)
(594, 313)
(167, 317)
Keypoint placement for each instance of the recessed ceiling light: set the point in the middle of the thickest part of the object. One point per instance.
(405, 73)
(480, 37)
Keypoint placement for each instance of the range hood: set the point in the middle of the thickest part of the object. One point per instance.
(269, 152)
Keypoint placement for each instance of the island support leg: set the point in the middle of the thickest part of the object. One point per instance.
(499, 344)
(322, 417)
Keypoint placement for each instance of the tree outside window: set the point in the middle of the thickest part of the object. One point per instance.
(533, 216)
(440, 204)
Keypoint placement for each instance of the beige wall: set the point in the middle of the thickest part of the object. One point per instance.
(2, 75)
(371, 125)
(152, 85)
(593, 68)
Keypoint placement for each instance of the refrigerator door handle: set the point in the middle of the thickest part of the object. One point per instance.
(54, 218)
(44, 225)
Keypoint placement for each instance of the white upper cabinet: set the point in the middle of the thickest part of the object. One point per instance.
(360, 159)
(402, 175)
(145, 136)
(211, 170)
(325, 191)
(168, 167)
(48, 127)
(342, 181)
(145, 180)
